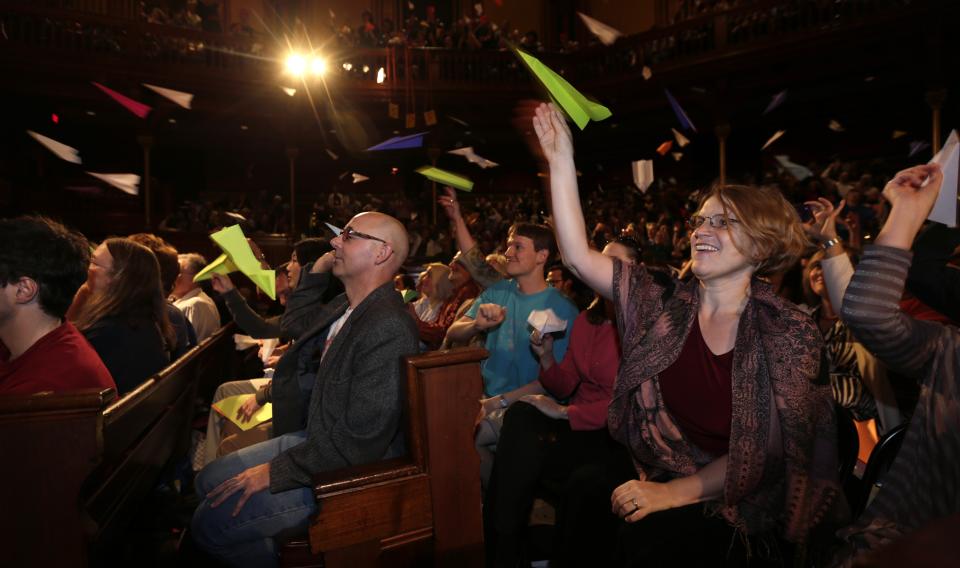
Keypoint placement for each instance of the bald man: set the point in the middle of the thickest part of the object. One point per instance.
(343, 378)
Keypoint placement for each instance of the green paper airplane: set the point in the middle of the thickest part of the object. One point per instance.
(580, 109)
(446, 178)
(237, 255)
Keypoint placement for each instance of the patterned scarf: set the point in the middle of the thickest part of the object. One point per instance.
(782, 463)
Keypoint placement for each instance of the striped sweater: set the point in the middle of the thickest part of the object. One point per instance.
(924, 482)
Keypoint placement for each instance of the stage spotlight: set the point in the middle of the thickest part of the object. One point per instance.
(318, 66)
(381, 76)
(296, 65)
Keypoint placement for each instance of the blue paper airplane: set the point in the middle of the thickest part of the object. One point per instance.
(400, 143)
(681, 116)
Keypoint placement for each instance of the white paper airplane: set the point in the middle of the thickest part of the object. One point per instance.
(62, 151)
(681, 139)
(181, 98)
(127, 183)
(776, 136)
(290, 92)
(332, 154)
(235, 216)
(796, 170)
(546, 321)
(642, 174)
(945, 209)
(336, 230)
(357, 178)
(676, 155)
(473, 158)
(835, 126)
(604, 33)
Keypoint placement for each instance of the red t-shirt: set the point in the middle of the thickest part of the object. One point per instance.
(697, 390)
(61, 360)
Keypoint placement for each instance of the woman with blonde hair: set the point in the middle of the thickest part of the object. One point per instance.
(719, 398)
(124, 317)
(435, 288)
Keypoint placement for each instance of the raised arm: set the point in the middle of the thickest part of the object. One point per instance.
(556, 143)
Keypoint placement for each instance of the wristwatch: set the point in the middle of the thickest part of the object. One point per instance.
(503, 402)
(830, 243)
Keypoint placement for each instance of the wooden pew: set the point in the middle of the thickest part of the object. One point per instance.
(77, 465)
(423, 509)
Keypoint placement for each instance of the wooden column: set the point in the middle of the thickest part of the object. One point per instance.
(146, 142)
(723, 132)
(292, 154)
(935, 100)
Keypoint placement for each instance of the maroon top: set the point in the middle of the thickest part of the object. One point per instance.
(61, 360)
(696, 389)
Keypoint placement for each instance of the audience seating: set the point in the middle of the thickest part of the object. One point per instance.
(77, 465)
(423, 509)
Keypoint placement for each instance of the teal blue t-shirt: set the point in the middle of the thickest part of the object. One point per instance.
(512, 363)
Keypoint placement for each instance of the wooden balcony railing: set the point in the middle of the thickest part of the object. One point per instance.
(112, 30)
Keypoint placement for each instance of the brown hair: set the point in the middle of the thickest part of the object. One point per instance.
(541, 235)
(774, 234)
(166, 257)
(134, 291)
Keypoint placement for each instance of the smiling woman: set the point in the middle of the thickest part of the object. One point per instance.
(718, 388)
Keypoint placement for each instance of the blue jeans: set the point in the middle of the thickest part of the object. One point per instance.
(247, 539)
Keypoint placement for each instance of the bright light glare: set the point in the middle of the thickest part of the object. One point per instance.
(296, 65)
(381, 75)
(347, 66)
(366, 68)
(318, 66)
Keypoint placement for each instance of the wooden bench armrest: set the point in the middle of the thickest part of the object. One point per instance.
(90, 399)
(354, 477)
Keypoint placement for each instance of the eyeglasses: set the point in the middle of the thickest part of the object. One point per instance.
(349, 233)
(718, 221)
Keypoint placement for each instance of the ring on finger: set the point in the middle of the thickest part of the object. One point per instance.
(635, 504)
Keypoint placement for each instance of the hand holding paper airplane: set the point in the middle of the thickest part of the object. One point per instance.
(237, 255)
(546, 321)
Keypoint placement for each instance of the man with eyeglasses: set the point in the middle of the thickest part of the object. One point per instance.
(346, 372)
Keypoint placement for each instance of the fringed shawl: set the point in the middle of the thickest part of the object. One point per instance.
(782, 465)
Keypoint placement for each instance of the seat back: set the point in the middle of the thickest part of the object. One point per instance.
(881, 458)
(848, 444)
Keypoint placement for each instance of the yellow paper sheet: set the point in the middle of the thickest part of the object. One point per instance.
(229, 406)
(580, 109)
(446, 178)
(237, 255)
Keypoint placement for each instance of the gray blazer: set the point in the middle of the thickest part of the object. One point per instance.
(356, 402)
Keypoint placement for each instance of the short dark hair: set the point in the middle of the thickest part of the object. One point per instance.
(48, 253)
(541, 235)
(309, 250)
(166, 257)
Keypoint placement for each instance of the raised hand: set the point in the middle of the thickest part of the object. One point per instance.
(916, 188)
(556, 142)
(823, 226)
(541, 344)
(449, 203)
(489, 315)
(221, 283)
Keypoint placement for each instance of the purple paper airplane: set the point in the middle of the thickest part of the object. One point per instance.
(678, 110)
(776, 101)
(400, 143)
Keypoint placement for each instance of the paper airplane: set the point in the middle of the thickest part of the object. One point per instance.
(473, 158)
(662, 149)
(681, 115)
(400, 143)
(945, 209)
(333, 15)
(357, 178)
(546, 321)
(835, 126)
(62, 151)
(647, 73)
(136, 107)
(237, 255)
(458, 121)
(676, 155)
(332, 154)
(244, 342)
(776, 136)
(574, 104)
(126, 183)
(604, 33)
(446, 178)
(179, 97)
(336, 230)
(776, 101)
(681, 139)
(898, 134)
(796, 170)
(289, 91)
(235, 216)
(916, 147)
(642, 174)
